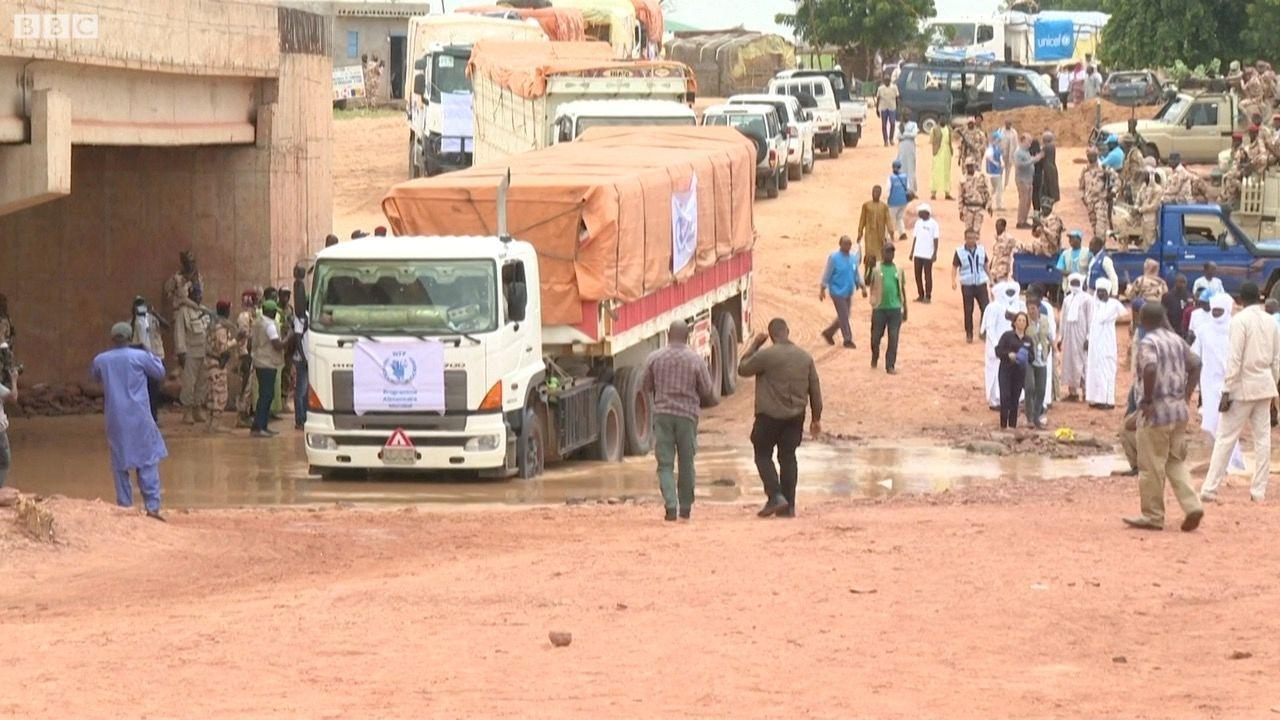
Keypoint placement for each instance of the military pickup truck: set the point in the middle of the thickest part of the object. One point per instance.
(1197, 126)
(1187, 236)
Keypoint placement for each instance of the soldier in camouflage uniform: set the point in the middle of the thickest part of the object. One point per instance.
(1134, 168)
(1180, 188)
(1248, 160)
(244, 324)
(973, 142)
(1148, 203)
(1097, 187)
(219, 352)
(975, 197)
(1253, 93)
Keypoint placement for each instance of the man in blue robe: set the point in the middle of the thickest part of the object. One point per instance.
(132, 433)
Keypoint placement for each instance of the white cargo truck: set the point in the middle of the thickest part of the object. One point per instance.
(520, 87)
(455, 346)
(577, 117)
(438, 97)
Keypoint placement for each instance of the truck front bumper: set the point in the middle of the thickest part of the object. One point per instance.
(481, 445)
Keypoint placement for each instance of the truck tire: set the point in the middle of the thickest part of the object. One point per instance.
(716, 365)
(784, 177)
(851, 139)
(928, 121)
(1150, 150)
(794, 172)
(727, 331)
(807, 165)
(610, 444)
(762, 145)
(771, 186)
(415, 170)
(834, 145)
(637, 409)
(531, 443)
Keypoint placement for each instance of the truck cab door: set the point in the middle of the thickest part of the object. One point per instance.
(519, 341)
(1206, 237)
(1203, 124)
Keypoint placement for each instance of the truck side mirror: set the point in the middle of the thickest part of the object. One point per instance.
(1190, 123)
(420, 64)
(419, 84)
(517, 302)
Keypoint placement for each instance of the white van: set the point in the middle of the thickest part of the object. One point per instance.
(796, 126)
(828, 127)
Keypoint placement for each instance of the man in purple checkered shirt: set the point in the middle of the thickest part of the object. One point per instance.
(1167, 372)
(680, 384)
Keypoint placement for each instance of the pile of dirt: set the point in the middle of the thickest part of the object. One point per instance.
(1070, 126)
(66, 399)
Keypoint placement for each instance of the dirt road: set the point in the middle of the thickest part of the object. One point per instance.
(1012, 602)
(939, 388)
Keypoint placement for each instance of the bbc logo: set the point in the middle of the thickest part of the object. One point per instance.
(54, 26)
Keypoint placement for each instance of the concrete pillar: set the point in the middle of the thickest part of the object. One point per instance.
(39, 171)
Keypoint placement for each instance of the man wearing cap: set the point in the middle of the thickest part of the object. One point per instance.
(1097, 187)
(132, 434)
(219, 350)
(975, 197)
(1047, 232)
(926, 236)
(899, 196)
(1074, 259)
(267, 349)
(1148, 200)
(1100, 364)
(1114, 158)
(973, 142)
(1180, 188)
(1002, 249)
(1133, 169)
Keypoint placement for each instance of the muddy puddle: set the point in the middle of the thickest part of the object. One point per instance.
(68, 456)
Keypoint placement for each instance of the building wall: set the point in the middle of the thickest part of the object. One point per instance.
(374, 38)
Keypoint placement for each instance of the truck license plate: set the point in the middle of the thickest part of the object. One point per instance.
(399, 455)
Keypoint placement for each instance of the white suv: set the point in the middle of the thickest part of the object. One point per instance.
(796, 126)
(762, 124)
(828, 126)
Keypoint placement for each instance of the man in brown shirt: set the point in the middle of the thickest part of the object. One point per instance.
(786, 381)
(873, 230)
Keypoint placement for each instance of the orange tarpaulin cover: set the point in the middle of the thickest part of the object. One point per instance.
(523, 67)
(598, 210)
(560, 24)
(650, 14)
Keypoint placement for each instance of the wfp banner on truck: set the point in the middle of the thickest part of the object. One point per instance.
(684, 225)
(1055, 40)
(399, 376)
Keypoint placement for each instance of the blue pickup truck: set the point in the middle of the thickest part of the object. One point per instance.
(1187, 237)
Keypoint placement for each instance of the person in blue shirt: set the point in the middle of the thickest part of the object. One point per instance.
(1074, 259)
(840, 278)
(1114, 158)
(899, 195)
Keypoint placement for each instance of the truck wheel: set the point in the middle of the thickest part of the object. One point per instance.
(928, 121)
(1151, 151)
(415, 169)
(784, 177)
(715, 365)
(834, 145)
(807, 165)
(851, 141)
(637, 410)
(611, 443)
(531, 445)
(727, 329)
(794, 172)
(771, 186)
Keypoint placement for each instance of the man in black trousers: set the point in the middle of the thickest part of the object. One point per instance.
(786, 381)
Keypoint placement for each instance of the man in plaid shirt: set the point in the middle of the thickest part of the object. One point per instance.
(680, 384)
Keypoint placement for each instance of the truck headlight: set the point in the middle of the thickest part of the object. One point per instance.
(316, 441)
(482, 443)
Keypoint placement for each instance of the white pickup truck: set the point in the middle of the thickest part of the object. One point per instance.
(853, 110)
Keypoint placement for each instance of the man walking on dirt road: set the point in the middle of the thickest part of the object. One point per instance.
(888, 309)
(680, 383)
(840, 278)
(786, 381)
(873, 229)
(132, 434)
(1167, 372)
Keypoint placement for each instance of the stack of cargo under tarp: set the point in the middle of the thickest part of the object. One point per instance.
(600, 210)
(560, 24)
(727, 62)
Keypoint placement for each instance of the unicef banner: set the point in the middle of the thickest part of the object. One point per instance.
(399, 376)
(1055, 40)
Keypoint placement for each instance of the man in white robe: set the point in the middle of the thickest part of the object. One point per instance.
(994, 324)
(1213, 346)
(1074, 335)
(1100, 367)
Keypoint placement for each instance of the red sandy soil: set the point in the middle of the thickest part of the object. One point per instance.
(1015, 601)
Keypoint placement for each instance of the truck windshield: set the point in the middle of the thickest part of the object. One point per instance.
(1041, 87)
(952, 34)
(448, 75)
(750, 124)
(586, 123)
(418, 297)
(1173, 110)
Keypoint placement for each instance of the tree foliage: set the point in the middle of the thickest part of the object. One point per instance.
(1074, 5)
(859, 27)
(1145, 33)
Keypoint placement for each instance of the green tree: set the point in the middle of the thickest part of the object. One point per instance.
(1145, 33)
(1258, 36)
(858, 29)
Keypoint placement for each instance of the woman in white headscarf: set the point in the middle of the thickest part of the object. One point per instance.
(907, 149)
(1213, 346)
(1100, 366)
(995, 323)
(1073, 334)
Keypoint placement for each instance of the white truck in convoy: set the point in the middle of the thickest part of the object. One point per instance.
(575, 118)
(457, 346)
(521, 87)
(438, 99)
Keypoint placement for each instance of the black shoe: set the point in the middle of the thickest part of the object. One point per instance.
(1131, 472)
(1192, 520)
(850, 344)
(968, 338)
(891, 371)
(829, 336)
(684, 513)
(928, 299)
(155, 515)
(671, 516)
(773, 506)
(788, 513)
(875, 361)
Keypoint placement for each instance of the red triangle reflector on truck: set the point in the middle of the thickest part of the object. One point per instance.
(399, 439)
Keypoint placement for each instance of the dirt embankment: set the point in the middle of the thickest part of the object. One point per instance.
(1070, 126)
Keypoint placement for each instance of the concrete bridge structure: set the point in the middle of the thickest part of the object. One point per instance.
(184, 124)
